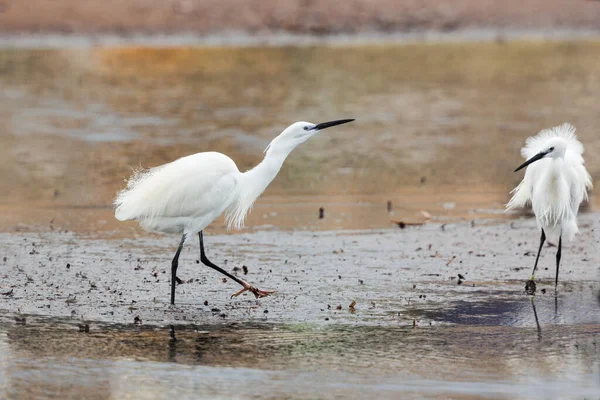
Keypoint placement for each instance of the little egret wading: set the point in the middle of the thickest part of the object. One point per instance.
(555, 183)
(186, 195)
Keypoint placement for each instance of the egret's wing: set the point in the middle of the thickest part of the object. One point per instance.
(580, 180)
(189, 186)
(523, 192)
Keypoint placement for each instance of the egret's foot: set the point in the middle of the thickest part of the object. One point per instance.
(257, 292)
(530, 287)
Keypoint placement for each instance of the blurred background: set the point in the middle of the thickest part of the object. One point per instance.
(444, 95)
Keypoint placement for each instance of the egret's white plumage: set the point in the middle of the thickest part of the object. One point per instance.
(186, 195)
(182, 196)
(556, 184)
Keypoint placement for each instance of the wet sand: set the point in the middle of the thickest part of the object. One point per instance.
(414, 330)
(395, 275)
(387, 272)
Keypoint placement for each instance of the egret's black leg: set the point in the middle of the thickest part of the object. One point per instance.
(558, 254)
(537, 258)
(257, 292)
(530, 285)
(174, 265)
(208, 263)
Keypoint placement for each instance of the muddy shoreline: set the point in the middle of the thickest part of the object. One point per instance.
(397, 277)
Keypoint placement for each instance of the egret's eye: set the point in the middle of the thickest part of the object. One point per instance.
(551, 148)
(306, 128)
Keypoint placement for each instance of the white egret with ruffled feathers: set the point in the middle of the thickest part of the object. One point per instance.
(186, 195)
(555, 184)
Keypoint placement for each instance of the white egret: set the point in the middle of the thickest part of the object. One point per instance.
(186, 195)
(555, 186)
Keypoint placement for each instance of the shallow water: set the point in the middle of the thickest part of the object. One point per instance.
(54, 359)
(438, 126)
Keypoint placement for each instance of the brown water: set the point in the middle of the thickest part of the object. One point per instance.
(438, 128)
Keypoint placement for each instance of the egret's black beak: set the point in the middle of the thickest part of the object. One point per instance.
(329, 124)
(533, 159)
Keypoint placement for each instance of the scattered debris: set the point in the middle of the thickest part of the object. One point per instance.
(530, 287)
(224, 280)
(461, 277)
(404, 224)
(137, 320)
(8, 294)
(450, 260)
(351, 306)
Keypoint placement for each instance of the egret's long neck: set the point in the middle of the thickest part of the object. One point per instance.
(256, 180)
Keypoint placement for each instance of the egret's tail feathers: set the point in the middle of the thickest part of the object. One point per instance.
(588, 183)
(121, 214)
(565, 230)
(133, 201)
(569, 230)
(566, 131)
